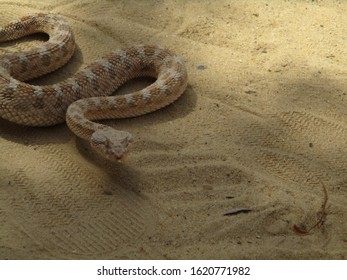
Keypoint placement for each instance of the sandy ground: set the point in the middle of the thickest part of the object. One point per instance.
(262, 125)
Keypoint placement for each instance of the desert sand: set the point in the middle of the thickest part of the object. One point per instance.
(261, 126)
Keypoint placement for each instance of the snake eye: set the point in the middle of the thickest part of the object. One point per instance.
(107, 143)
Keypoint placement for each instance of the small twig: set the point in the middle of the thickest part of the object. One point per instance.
(236, 211)
(321, 219)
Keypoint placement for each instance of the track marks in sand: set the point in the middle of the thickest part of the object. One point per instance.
(284, 144)
(191, 187)
(183, 169)
(61, 204)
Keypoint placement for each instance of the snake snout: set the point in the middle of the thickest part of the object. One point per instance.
(111, 144)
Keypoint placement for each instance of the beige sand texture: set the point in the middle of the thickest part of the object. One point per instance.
(262, 125)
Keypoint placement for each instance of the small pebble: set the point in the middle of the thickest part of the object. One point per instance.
(249, 91)
(108, 192)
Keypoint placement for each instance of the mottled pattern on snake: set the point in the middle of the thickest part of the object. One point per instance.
(85, 96)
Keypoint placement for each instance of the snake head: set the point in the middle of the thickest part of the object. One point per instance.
(111, 144)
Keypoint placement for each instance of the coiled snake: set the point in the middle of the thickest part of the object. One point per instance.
(84, 97)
